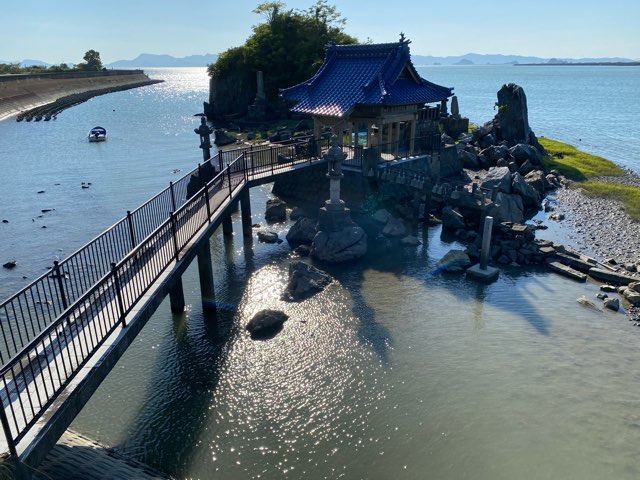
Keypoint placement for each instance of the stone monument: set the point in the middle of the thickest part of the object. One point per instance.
(258, 110)
(339, 239)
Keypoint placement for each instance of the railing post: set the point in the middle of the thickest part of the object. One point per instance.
(202, 182)
(7, 432)
(173, 197)
(229, 179)
(244, 165)
(206, 199)
(58, 275)
(271, 158)
(131, 232)
(174, 231)
(116, 281)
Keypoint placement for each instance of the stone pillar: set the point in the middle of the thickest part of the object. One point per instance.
(443, 108)
(245, 206)
(227, 226)
(205, 271)
(260, 95)
(176, 296)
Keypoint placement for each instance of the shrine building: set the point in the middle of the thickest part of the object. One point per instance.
(369, 95)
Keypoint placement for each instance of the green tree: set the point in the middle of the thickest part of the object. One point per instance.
(288, 47)
(92, 59)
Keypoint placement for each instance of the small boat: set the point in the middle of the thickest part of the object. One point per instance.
(97, 134)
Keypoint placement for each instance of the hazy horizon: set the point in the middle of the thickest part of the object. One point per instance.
(62, 32)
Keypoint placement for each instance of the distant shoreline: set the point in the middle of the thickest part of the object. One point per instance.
(582, 64)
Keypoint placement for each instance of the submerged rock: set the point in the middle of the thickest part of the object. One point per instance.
(266, 323)
(303, 231)
(454, 261)
(10, 265)
(304, 281)
(267, 237)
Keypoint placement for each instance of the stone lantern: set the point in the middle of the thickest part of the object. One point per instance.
(205, 138)
(334, 215)
(334, 157)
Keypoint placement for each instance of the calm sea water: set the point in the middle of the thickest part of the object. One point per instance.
(391, 372)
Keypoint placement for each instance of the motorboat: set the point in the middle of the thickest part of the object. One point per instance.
(97, 134)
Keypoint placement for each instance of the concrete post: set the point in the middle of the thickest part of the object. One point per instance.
(227, 226)
(176, 297)
(205, 271)
(245, 206)
(486, 242)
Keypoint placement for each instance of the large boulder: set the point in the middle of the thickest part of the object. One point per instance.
(498, 177)
(469, 160)
(454, 261)
(304, 281)
(452, 219)
(276, 210)
(537, 180)
(302, 231)
(523, 152)
(512, 119)
(266, 323)
(507, 208)
(495, 153)
(530, 196)
(223, 138)
(348, 243)
(267, 236)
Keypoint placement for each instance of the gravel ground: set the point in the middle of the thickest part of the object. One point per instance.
(601, 227)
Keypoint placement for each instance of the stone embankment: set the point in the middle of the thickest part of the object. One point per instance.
(25, 93)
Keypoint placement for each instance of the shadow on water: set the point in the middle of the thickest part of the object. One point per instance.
(187, 374)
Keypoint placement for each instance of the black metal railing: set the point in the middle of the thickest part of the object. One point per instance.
(47, 350)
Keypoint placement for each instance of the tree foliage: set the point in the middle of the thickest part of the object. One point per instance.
(288, 46)
(92, 59)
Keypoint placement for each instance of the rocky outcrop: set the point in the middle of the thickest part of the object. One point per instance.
(512, 119)
(304, 281)
(267, 236)
(452, 219)
(507, 208)
(223, 138)
(266, 323)
(498, 177)
(346, 244)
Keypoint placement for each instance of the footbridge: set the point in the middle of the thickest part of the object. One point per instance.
(62, 334)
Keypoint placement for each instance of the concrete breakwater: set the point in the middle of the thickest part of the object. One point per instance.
(24, 94)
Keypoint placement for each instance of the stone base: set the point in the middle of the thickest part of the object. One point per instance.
(488, 275)
(331, 219)
(455, 126)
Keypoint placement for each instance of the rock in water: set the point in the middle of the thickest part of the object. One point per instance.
(454, 261)
(267, 237)
(10, 265)
(266, 323)
(276, 210)
(348, 243)
(584, 301)
(304, 281)
(303, 231)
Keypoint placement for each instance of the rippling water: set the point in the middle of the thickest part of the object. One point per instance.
(392, 372)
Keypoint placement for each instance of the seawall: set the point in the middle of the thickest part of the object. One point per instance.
(19, 93)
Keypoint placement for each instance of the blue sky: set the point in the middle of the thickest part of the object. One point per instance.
(62, 30)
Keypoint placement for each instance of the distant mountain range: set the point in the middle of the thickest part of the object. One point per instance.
(147, 60)
(488, 59)
(152, 60)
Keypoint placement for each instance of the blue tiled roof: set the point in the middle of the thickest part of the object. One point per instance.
(373, 74)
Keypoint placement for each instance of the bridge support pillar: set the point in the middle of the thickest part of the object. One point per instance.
(227, 226)
(245, 205)
(205, 271)
(176, 296)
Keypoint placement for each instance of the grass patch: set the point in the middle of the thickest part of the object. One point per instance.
(628, 196)
(576, 165)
